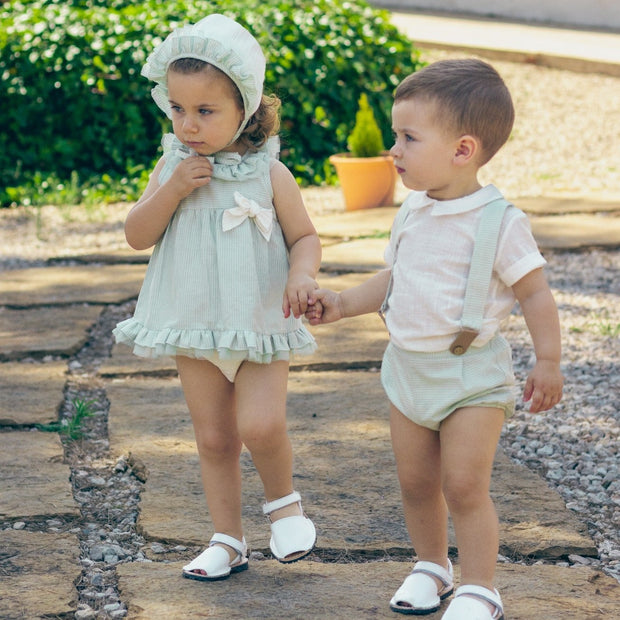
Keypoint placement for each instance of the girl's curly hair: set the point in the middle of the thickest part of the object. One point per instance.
(265, 122)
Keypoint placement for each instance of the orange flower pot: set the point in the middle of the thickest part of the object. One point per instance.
(366, 182)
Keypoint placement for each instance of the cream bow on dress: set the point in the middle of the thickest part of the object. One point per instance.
(263, 218)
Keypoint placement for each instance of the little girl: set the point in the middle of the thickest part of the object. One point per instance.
(234, 263)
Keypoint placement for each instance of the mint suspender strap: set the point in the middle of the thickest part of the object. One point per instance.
(399, 220)
(479, 278)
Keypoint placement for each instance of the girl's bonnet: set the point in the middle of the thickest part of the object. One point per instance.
(221, 42)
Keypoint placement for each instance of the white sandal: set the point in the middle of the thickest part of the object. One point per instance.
(215, 561)
(292, 538)
(468, 604)
(419, 594)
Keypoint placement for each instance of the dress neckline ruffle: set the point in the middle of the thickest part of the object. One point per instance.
(227, 165)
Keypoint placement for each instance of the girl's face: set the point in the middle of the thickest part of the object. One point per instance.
(205, 110)
(423, 151)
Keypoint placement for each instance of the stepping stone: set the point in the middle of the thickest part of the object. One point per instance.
(545, 205)
(353, 224)
(122, 361)
(315, 591)
(31, 393)
(35, 480)
(576, 231)
(358, 255)
(38, 332)
(96, 284)
(38, 573)
(343, 464)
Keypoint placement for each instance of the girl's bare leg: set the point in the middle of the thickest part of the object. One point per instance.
(469, 439)
(260, 391)
(211, 401)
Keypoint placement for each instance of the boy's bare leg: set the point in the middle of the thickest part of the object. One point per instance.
(469, 439)
(417, 450)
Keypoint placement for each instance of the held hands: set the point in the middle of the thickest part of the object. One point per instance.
(191, 173)
(299, 289)
(543, 386)
(324, 306)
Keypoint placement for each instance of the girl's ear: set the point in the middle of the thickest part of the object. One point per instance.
(467, 149)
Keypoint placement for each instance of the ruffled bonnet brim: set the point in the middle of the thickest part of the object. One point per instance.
(219, 41)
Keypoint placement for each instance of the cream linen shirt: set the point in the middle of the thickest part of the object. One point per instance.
(430, 252)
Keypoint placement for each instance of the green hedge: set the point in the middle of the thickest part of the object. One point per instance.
(72, 101)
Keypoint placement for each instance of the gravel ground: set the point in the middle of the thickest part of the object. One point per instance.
(564, 144)
(575, 445)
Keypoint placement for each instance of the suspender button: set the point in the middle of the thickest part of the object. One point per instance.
(462, 341)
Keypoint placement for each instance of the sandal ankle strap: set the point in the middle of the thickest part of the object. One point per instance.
(276, 504)
(435, 570)
(491, 596)
(238, 545)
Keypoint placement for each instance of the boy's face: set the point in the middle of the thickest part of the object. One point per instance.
(423, 150)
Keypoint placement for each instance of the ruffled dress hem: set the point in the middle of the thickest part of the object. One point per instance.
(213, 345)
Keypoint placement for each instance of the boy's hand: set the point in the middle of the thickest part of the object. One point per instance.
(543, 386)
(314, 312)
(325, 306)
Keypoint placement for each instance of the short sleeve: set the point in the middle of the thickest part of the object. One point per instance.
(399, 219)
(517, 252)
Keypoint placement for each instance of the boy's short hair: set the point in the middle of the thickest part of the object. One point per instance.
(471, 98)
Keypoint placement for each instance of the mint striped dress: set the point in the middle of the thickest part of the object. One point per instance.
(211, 293)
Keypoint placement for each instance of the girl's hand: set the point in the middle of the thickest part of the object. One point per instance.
(298, 290)
(325, 306)
(543, 386)
(189, 174)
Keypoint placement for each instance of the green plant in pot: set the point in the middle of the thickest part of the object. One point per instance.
(366, 139)
(366, 173)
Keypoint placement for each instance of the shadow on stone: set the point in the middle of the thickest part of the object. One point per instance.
(344, 469)
(38, 573)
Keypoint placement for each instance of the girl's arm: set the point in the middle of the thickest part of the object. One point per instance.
(301, 238)
(544, 383)
(147, 220)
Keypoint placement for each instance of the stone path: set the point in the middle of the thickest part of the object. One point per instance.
(343, 461)
(55, 347)
(575, 49)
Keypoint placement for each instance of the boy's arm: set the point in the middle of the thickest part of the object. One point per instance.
(544, 383)
(362, 299)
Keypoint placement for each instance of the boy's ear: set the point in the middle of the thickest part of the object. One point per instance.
(467, 149)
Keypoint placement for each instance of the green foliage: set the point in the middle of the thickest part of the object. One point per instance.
(72, 100)
(96, 190)
(365, 139)
(71, 427)
(601, 326)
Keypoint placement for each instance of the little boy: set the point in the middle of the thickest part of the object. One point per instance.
(447, 371)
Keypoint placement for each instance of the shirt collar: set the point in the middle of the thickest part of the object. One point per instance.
(420, 200)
